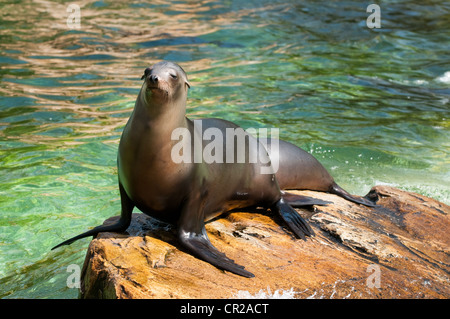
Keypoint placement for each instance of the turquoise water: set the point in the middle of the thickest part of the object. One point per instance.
(371, 104)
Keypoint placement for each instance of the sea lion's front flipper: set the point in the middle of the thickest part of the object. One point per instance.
(192, 235)
(296, 200)
(295, 222)
(200, 246)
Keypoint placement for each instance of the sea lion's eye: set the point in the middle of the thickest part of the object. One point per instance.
(174, 76)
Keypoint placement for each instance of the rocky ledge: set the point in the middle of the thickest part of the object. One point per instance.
(399, 249)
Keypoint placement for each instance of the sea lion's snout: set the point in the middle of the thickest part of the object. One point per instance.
(156, 80)
(153, 78)
(156, 77)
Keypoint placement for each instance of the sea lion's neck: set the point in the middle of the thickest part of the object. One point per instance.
(160, 116)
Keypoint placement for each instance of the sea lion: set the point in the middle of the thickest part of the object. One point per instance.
(301, 171)
(188, 193)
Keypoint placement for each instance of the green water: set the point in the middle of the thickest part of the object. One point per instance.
(371, 105)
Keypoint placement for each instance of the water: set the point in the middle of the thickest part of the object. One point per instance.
(371, 105)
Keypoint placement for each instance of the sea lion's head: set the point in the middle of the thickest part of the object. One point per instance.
(165, 81)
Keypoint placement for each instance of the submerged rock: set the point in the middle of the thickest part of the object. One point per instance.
(399, 249)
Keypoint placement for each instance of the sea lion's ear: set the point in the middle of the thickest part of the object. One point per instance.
(188, 84)
(146, 72)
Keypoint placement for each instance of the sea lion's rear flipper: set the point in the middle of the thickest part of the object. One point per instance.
(338, 190)
(295, 222)
(118, 227)
(296, 200)
(121, 225)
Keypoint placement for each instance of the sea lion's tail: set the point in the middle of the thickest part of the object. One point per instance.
(118, 227)
(338, 190)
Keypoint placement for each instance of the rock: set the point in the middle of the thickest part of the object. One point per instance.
(397, 250)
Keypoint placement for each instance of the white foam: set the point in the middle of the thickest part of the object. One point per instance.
(445, 78)
(262, 294)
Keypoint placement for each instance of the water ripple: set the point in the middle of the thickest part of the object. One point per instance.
(372, 105)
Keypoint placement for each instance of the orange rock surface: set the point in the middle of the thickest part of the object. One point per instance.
(399, 249)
